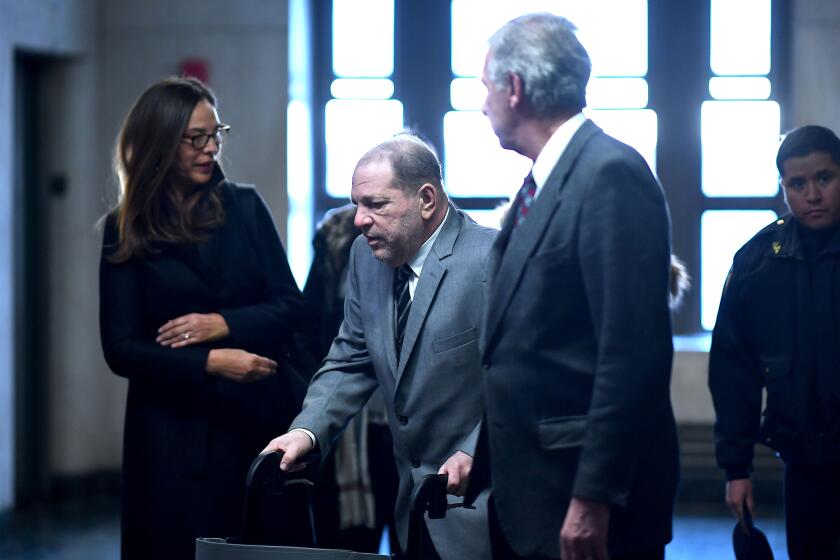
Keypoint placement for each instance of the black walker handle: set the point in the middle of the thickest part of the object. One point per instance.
(264, 478)
(429, 495)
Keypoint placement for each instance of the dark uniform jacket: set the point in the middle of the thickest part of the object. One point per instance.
(777, 328)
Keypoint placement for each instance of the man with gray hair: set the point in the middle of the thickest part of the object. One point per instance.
(411, 320)
(576, 342)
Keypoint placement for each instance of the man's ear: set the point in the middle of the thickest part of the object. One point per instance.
(516, 86)
(428, 196)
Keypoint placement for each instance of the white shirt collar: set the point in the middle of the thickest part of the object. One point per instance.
(416, 262)
(553, 150)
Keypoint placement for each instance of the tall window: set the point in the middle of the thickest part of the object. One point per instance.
(475, 164)
(692, 86)
(740, 136)
(362, 111)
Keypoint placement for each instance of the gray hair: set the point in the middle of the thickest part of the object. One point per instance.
(413, 161)
(543, 50)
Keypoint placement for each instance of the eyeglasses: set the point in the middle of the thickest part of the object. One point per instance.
(199, 141)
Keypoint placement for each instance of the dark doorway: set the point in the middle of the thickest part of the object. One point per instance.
(30, 274)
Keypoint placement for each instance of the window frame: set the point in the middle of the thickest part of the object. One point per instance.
(678, 77)
(679, 70)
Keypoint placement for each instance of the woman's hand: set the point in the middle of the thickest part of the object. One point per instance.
(193, 328)
(239, 365)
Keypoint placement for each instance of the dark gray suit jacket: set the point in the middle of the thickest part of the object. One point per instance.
(433, 400)
(577, 348)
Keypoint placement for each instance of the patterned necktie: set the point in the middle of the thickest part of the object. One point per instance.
(402, 303)
(524, 198)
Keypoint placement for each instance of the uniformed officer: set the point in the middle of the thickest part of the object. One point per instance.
(778, 328)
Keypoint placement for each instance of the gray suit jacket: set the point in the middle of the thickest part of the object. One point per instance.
(577, 346)
(434, 404)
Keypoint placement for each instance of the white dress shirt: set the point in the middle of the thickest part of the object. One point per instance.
(415, 263)
(553, 150)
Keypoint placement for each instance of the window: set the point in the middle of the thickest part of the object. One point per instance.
(362, 111)
(299, 145)
(695, 87)
(723, 233)
(739, 139)
(475, 165)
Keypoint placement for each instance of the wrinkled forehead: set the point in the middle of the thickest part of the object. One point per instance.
(373, 172)
(373, 178)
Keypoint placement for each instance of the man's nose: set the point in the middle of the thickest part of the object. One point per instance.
(362, 219)
(812, 192)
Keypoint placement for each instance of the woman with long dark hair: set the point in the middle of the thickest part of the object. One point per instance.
(197, 306)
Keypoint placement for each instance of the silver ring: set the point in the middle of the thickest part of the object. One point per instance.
(187, 335)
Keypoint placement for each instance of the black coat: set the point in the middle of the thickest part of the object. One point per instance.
(577, 350)
(189, 437)
(326, 284)
(777, 329)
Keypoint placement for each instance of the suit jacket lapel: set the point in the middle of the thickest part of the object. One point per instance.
(521, 244)
(434, 269)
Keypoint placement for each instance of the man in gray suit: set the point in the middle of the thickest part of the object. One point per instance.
(577, 337)
(412, 311)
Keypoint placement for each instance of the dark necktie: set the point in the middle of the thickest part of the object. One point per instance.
(402, 303)
(524, 198)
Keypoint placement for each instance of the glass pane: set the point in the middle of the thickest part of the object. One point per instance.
(617, 45)
(489, 218)
(352, 128)
(617, 93)
(467, 94)
(299, 164)
(299, 189)
(740, 37)
(739, 144)
(635, 127)
(739, 88)
(722, 233)
(363, 38)
(348, 88)
(473, 22)
(475, 164)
